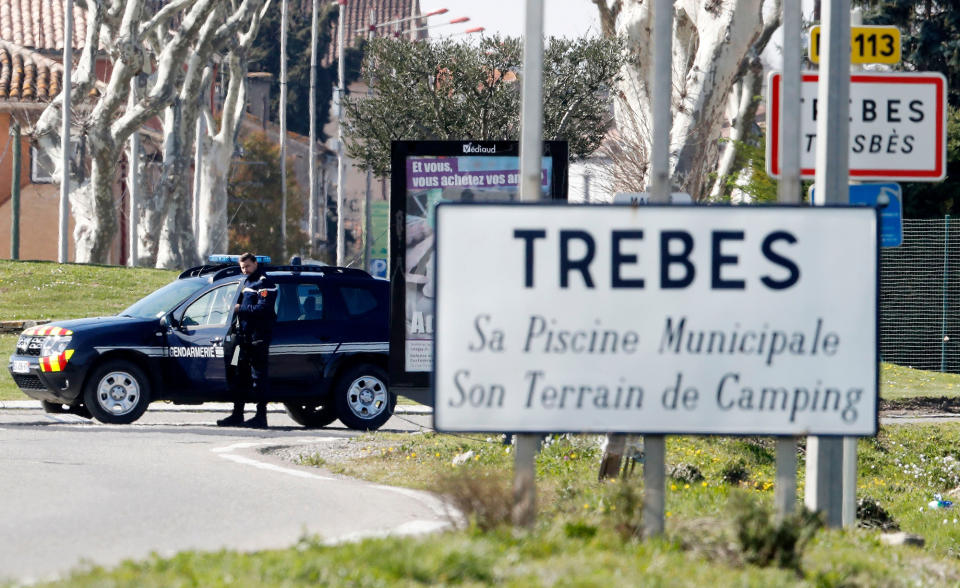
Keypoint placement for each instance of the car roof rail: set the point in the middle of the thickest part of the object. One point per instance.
(226, 271)
(223, 270)
(201, 270)
(326, 269)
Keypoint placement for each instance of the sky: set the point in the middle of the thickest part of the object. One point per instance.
(563, 18)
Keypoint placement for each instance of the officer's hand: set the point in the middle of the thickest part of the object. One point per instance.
(236, 307)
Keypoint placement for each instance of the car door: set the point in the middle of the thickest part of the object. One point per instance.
(197, 363)
(298, 349)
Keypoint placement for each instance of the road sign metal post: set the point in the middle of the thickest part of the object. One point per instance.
(653, 468)
(823, 490)
(531, 131)
(788, 192)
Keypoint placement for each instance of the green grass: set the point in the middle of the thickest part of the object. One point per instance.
(48, 290)
(897, 382)
(578, 539)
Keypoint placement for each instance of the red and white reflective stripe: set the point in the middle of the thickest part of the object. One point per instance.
(42, 331)
(55, 363)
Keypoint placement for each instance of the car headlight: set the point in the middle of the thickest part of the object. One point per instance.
(54, 344)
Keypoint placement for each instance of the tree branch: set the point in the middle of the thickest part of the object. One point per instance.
(608, 16)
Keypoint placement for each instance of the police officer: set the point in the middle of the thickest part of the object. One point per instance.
(256, 315)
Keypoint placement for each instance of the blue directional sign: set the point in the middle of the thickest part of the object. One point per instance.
(889, 198)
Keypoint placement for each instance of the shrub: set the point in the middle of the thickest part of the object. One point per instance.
(624, 500)
(735, 472)
(765, 541)
(871, 515)
(483, 495)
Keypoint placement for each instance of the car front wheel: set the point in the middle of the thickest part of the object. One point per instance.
(363, 399)
(312, 417)
(118, 392)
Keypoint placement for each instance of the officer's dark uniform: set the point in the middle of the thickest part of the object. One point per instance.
(255, 329)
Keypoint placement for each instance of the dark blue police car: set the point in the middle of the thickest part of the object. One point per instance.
(328, 357)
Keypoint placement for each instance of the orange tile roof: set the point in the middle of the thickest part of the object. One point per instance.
(38, 24)
(357, 18)
(27, 76)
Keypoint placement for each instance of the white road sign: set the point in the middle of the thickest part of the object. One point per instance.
(897, 126)
(658, 319)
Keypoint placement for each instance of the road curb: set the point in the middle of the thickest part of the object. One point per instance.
(207, 407)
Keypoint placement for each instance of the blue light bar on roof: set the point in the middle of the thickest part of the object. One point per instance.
(224, 258)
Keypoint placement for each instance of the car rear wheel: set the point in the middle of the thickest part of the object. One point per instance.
(363, 399)
(310, 416)
(117, 392)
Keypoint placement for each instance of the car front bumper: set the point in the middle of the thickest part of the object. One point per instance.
(60, 387)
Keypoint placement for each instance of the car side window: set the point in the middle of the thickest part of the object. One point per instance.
(358, 301)
(299, 302)
(211, 309)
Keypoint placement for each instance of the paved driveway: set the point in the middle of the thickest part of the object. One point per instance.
(75, 490)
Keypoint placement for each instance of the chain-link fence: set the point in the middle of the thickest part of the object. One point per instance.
(920, 296)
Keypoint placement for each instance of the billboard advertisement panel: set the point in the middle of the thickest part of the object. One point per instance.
(423, 175)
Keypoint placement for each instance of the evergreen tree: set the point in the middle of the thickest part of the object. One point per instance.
(449, 90)
(265, 57)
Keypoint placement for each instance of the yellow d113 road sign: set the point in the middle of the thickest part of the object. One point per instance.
(877, 44)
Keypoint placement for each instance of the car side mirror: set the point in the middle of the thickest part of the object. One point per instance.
(169, 321)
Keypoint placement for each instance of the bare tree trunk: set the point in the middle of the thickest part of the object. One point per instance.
(745, 106)
(176, 246)
(712, 41)
(218, 147)
(214, 178)
(126, 29)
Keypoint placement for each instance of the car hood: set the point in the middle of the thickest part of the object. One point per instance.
(86, 324)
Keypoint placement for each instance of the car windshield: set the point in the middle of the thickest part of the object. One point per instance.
(165, 299)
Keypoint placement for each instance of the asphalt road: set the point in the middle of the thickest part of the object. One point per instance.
(75, 491)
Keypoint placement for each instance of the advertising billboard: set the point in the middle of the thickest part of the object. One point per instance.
(423, 175)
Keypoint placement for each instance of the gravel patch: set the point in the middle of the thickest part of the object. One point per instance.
(331, 451)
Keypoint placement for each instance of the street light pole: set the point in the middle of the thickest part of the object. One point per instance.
(312, 157)
(453, 21)
(283, 128)
(64, 214)
(373, 27)
(341, 72)
(133, 181)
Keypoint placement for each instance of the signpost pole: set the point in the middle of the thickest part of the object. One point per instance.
(788, 192)
(823, 490)
(654, 480)
(848, 508)
(531, 153)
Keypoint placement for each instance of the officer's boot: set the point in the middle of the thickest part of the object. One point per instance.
(235, 419)
(259, 420)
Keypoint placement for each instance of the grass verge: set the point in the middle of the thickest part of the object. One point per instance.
(586, 530)
(49, 290)
(898, 382)
(55, 291)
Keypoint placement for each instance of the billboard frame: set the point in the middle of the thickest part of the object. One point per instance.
(557, 151)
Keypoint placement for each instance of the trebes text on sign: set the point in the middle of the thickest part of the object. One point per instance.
(656, 319)
(897, 126)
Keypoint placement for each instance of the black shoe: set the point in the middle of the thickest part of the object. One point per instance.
(259, 421)
(234, 420)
